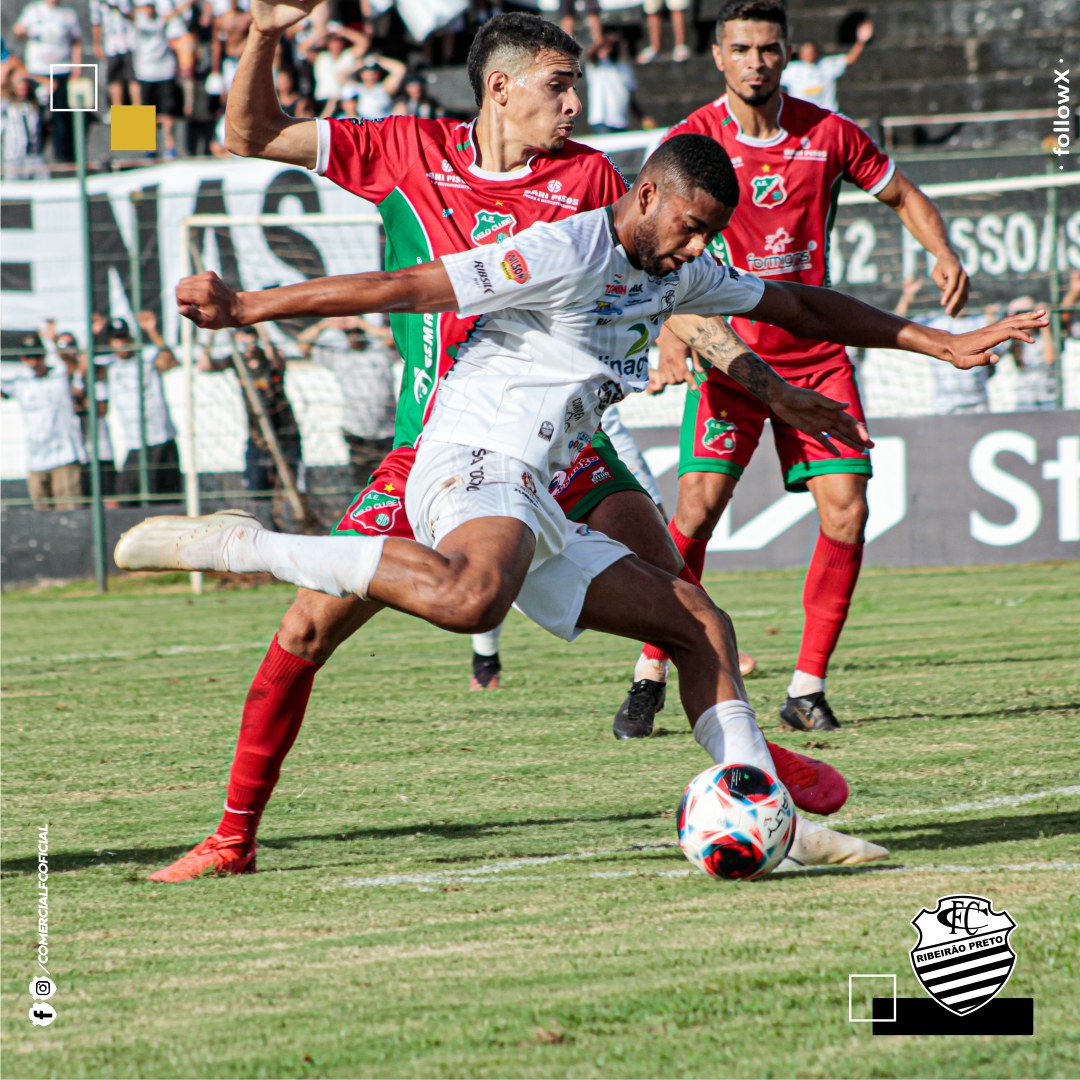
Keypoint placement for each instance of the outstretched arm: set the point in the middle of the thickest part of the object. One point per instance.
(828, 315)
(255, 126)
(818, 416)
(210, 303)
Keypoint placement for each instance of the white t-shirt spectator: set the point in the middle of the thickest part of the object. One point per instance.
(53, 434)
(610, 87)
(117, 32)
(372, 102)
(51, 35)
(330, 73)
(124, 398)
(367, 384)
(958, 392)
(152, 58)
(815, 82)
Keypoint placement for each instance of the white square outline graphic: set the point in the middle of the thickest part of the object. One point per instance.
(872, 1019)
(52, 72)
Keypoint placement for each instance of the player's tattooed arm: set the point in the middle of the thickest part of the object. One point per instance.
(818, 416)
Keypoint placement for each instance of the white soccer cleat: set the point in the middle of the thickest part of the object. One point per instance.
(181, 543)
(815, 845)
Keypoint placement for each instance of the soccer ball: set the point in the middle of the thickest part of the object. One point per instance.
(735, 821)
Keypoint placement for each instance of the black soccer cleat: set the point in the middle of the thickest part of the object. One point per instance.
(634, 720)
(810, 713)
(485, 672)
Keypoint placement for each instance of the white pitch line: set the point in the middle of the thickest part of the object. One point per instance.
(959, 808)
(135, 654)
(484, 875)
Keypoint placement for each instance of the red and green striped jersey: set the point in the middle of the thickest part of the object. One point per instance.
(435, 200)
(788, 190)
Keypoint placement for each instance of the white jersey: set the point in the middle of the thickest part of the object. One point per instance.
(815, 82)
(568, 335)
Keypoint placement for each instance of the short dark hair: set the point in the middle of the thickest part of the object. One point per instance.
(521, 33)
(695, 161)
(754, 11)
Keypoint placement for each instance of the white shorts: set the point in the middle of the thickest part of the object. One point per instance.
(451, 484)
(654, 7)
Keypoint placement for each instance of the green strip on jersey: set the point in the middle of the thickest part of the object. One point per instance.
(416, 336)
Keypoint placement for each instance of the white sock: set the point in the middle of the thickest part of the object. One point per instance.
(487, 644)
(654, 670)
(336, 565)
(729, 732)
(803, 685)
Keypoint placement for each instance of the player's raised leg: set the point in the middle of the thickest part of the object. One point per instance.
(830, 584)
(632, 599)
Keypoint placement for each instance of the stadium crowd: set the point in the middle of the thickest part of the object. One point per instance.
(344, 60)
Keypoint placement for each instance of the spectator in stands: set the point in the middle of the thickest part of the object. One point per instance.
(151, 413)
(156, 66)
(654, 21)
(956, 392)
(264, 366)
(813, 77)
(610, 86)
(52, 36)
(372, 97)
(1035, 379)
(230, 31)
(1070, 307)
(9, 62)
(415, 100)
(54, 447)
(567, 18)
(289, 97)
(334, 55)
(113, 35)
(63, 350)
(359, 355)
(22, 129)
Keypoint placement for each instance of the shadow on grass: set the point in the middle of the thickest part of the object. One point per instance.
(61, 861)
(969, 834)
(1070, 708)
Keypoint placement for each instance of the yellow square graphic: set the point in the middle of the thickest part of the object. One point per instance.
(134, 127)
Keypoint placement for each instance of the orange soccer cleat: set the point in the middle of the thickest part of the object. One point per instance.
(815, 786)
(215, 855)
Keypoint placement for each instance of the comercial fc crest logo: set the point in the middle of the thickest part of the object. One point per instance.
(963, 956)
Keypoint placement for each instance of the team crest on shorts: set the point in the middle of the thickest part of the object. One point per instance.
(963, 956)
(718, 436)
(375, 511)
(768, 190)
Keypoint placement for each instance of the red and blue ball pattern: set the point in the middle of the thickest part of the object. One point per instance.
(735, 821)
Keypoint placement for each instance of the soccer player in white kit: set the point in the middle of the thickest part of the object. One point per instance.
(556, 347)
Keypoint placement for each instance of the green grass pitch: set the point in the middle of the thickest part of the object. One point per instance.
(462, 885)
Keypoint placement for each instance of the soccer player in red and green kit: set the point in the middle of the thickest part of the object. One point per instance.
(441, 187)
(790, 158)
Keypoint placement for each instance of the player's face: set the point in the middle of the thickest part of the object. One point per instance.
(541, 101)
(751, 56)
(676, 228)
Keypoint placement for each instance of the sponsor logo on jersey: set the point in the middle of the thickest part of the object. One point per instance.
(547, 429)
(718, 436)
(768, 190)
(551, 196)
(375, 511)
(614, 289)
(421, 385)
(493, 227)
(565, 477)
(476, 473)
(555, 186)
(608, 394)
(514, 267)
(600, 475)
(780, 261)
(605, 307)
(483, 277)
(528, 483)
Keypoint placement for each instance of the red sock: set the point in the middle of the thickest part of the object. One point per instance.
(830, 584)
(273, 712)
(693, 553)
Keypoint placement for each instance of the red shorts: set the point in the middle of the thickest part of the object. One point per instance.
(722, 425)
